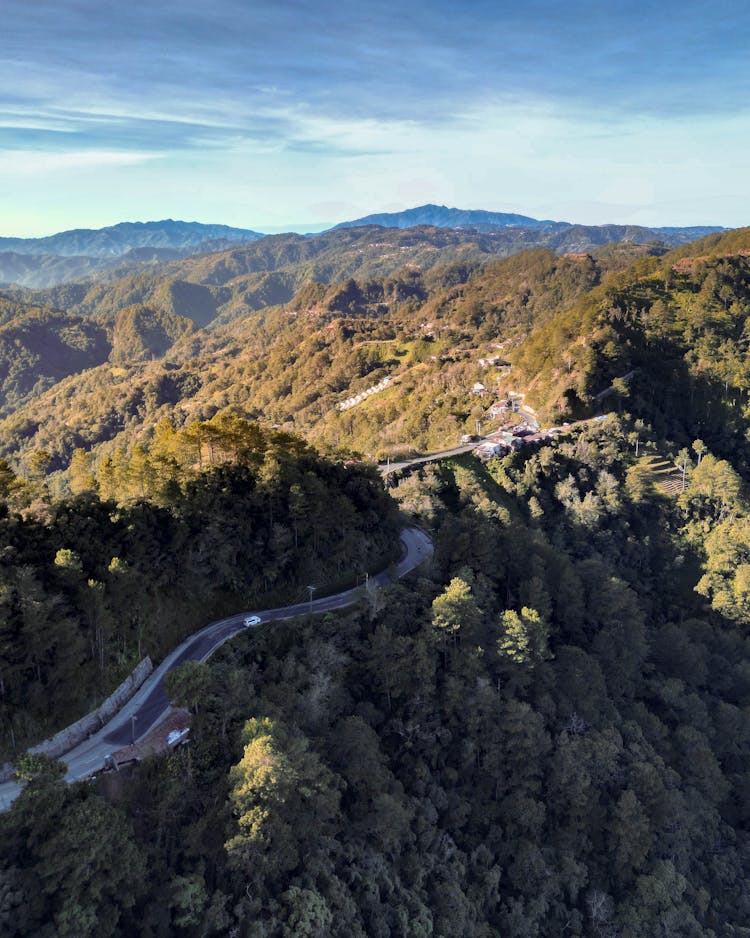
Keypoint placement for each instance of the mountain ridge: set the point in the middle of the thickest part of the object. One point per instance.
(116, 240)
(90, 254)
(441, 216)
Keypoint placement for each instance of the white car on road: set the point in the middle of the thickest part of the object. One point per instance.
(251, 620)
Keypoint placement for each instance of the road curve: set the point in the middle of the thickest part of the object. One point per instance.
(150, 704)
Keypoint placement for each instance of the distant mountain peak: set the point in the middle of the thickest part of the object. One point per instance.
(441, 216)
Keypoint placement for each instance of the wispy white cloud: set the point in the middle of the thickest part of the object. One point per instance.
(36, 164)
(258, 113)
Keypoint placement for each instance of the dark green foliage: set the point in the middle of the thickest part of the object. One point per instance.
(69, 864)
(216, 518)
(187, 684)
(667, 336)
(37, 769)
(40, 348)
(545, 736)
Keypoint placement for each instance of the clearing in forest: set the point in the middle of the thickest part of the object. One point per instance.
(663, 474)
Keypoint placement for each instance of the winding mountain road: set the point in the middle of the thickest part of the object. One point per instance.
(151, 704)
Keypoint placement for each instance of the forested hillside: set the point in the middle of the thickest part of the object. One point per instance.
(271, 270)
(559, 235)
(387, 578)
(293, 334)
(217, 517)
(545, 733)
(208, 290)
(41, 271)
(293, 365)
(74, 255)
(118, 240)
(238, 280)
(666, 328)
(668, 337)
(41, 347)
(69, 256)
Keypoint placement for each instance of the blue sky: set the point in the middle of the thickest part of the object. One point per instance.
(278, 115)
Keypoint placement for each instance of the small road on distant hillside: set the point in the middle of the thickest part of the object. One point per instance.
(150, 704)
(385, 469)
(527, 415)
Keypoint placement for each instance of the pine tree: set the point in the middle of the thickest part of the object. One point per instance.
(80, 474)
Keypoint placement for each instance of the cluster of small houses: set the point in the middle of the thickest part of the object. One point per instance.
(504, 440)
(510, 437)
(353, 401)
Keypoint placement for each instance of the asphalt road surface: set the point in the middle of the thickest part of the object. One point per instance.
(387, 469)
(150, 704)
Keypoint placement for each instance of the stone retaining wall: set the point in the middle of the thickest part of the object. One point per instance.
(74, 734)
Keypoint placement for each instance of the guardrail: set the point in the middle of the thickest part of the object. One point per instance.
(74, 734)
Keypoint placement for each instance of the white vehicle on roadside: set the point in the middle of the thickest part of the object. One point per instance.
(251, 620)
(176, 737)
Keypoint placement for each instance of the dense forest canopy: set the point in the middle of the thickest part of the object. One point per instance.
(218, 517)
(542, 732)
(545, 731)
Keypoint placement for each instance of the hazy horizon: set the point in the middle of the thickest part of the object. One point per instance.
(292, 228)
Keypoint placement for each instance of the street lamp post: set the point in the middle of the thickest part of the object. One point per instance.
(133, 718)
(312, 590)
